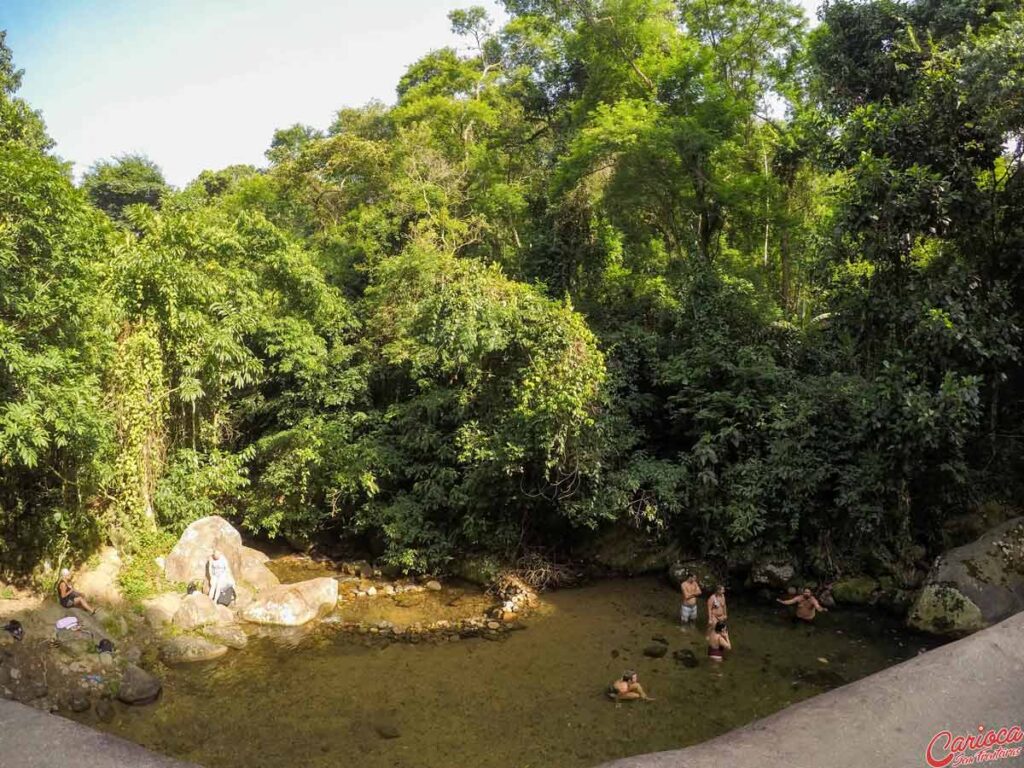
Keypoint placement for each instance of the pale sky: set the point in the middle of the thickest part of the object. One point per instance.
(202, 84)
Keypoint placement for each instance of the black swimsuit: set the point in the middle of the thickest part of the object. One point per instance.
(68, 601)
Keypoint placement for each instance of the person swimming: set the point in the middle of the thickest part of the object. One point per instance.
(718, 641)
(627, 688)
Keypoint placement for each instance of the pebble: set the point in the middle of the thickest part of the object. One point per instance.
(371, 592)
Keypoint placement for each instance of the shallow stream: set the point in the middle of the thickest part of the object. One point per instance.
(532, 699)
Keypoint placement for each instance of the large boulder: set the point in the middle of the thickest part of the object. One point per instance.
(290, 605)
(776, 574)
(187, 561)
(197, 610)
(189, 648)
(254, 570)
(98, 582)
(975, 585)
(161, 609)
(138, 686)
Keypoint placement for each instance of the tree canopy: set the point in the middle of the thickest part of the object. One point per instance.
(697, 270)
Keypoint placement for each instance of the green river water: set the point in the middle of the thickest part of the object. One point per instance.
(530, 700)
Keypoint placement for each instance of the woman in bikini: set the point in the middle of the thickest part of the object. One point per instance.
(67, 595)
(718, 641)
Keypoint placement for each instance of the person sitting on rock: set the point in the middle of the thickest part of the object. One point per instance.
(627, 688)
(717, 609)
(807, 605)
(220, 576)
(67, 595)
(718, 641)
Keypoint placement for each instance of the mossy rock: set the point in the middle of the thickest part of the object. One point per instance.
(987, 573)
(859, 590)
(707, 575)
(481, 571)
(942, 609)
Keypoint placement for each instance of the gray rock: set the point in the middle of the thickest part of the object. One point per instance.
(190, 648)
(32, 690)
(75, 645)
(105, 710)
(225, 615)
(197, 610)
(254, 570)
(231, 635)
(433, 585)
(974, 585)
(187, 561)
(291, 605)
(138, 687)
(776, 574)
(686, 657)
(79, 702)
(707, 576)
(655, 651)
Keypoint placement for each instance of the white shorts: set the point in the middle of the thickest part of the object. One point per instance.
(688, 613)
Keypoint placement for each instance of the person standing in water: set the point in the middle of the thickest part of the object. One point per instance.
(627, 688)
(691, 591)
(220, 574)
(718, 641)
(717, 609)
(807, 605)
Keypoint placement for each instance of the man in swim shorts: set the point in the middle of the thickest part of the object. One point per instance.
(807, 605)
(691, 591)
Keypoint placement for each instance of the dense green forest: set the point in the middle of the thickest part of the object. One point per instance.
(694, 268)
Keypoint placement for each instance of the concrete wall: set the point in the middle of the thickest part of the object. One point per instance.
(33, 739)
(886, 719)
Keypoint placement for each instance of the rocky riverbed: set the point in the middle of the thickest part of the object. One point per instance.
(525, 698)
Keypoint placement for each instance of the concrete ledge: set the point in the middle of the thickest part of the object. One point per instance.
(33, 739)
(886, 719)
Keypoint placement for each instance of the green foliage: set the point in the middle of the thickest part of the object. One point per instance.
(114, 185)
(583, 272)
(140, 575)
(196, 485)
(54, 431)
